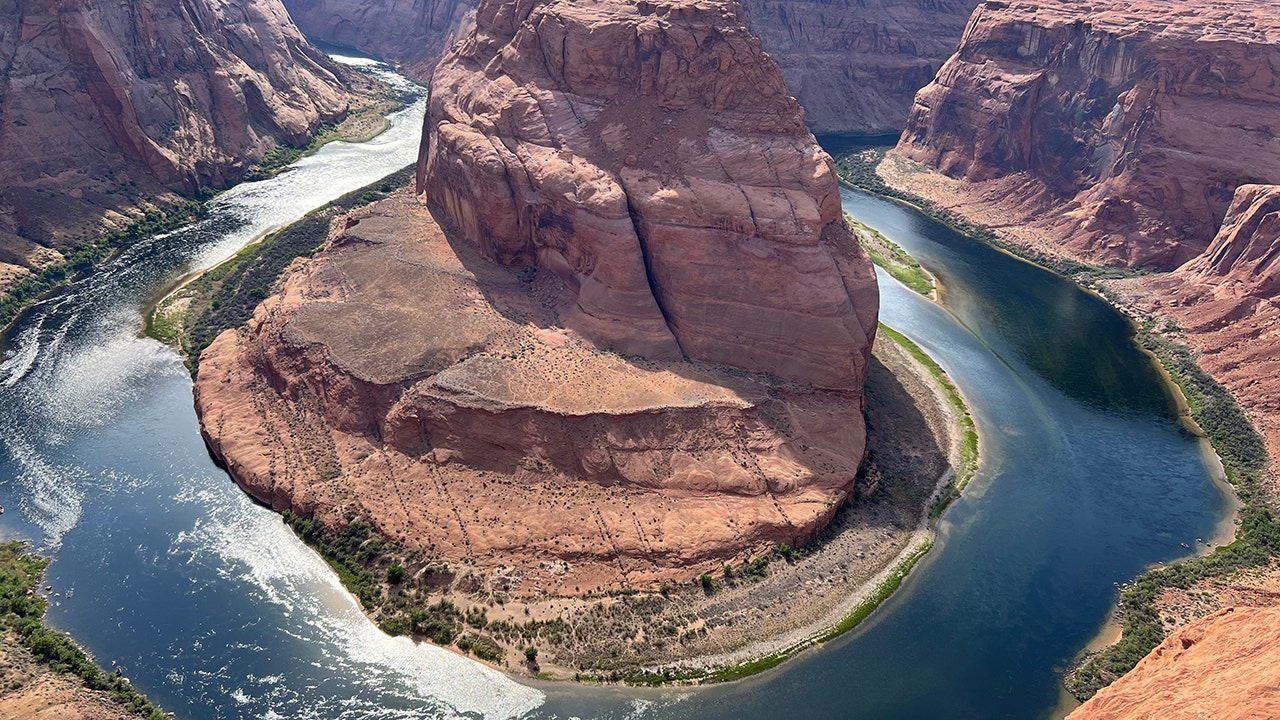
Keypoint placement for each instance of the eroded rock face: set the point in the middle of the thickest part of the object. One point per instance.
(650, 155)
(1225, 303)
(855, 65)
(405, 379)
(103, 104)
(1118, 128)
(411, 32)
(1224, 666)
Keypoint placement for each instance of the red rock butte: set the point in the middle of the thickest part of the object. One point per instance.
(635, 351)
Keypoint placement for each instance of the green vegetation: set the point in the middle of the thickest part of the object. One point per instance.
(226, 296)
(84, 258)
(890, 256)
(21, 611)
(1257, 542)
(968, 433)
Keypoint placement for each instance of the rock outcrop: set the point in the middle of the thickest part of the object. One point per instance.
(1225, 666)
(614, 177)
(106, 104)
(404, 379)
(650, 155)
(1225, 303)
(855, 65)
(412, 33)
(1117, 129)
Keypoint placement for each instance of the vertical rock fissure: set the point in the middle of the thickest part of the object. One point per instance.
(646, 255)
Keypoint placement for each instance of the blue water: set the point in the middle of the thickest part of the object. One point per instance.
(161, 565)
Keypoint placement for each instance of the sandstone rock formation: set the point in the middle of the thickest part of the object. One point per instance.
(614, 176)
(1225, 301)
(405, 379)
(104, 104)
(650, 155)
(1226, 667)
(414, 33)
(855, 65)
(1117, 129)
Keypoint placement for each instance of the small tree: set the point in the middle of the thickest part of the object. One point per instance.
(531, 654)
(705, 579)
(395, 574)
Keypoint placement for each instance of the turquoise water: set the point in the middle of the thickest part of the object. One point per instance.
(161, 565)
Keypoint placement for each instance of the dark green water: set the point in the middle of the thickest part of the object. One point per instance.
(217, 611)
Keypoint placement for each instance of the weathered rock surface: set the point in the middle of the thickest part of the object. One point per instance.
(1225, 302)
(403, 378)
(1117, 129)
(1226, 667)
(105, 104)
(414, 33)
(855, 65)
(648, 153)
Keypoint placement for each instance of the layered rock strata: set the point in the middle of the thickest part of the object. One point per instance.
(1117, 129)
(405, 379)
(1225, 666)
(105, 104)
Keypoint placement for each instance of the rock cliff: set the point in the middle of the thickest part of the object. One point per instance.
(1225, 303)
(614, 177)
(855, 65)
(105, 104)
(650, 155)
(413, 33)
(1117, 129)
(1225, 666)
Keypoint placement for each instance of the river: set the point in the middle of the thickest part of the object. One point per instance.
(215, 610)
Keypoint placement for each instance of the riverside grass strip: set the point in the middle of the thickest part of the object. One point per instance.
(892, 258)
(1211, 406)
(22, 611)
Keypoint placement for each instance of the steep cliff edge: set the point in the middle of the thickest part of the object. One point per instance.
(855, 65)
(1117, 130)
(1225, 303)
(1225, 666)
(103, 105)
(614, 177)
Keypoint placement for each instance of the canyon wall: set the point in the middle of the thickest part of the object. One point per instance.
(103, 105)
(412, 33)
(855, 65)
(1117, 129)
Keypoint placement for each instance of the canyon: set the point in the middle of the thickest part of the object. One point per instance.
(854, 66)
(105, 107)
(1114, 133)
(628, 348)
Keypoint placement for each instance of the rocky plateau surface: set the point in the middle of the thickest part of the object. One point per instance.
(635, 352)
(1112, 131)
(104, 105)
(1225, 666)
